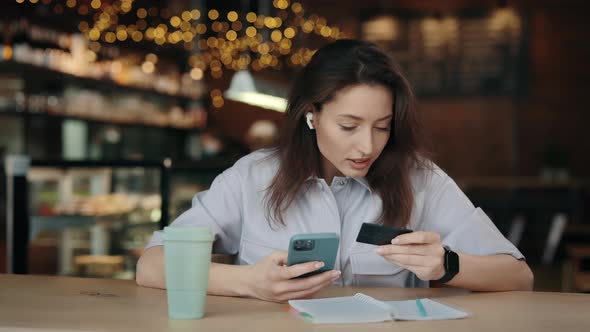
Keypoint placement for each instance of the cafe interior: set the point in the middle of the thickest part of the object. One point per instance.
(115, 113)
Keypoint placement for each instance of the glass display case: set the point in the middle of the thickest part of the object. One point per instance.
(87, 219)
(93, 219)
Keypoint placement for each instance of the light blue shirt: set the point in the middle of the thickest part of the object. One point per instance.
(233, 208)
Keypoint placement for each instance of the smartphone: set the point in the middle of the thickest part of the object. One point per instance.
(321, 247)
(378, 234)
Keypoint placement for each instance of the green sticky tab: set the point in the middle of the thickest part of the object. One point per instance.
(306, 316)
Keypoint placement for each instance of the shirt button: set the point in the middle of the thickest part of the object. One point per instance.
(342, 182)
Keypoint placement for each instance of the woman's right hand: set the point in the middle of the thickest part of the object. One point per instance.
(271, 280)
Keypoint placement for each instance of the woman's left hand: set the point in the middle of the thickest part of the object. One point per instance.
(420, 252)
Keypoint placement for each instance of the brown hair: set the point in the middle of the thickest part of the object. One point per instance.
(333, 67)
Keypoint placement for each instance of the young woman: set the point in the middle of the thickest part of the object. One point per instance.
(350, 152)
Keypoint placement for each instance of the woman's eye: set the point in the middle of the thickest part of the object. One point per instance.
(383, 128)
(345, 128)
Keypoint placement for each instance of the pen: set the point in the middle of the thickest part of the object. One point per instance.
(421, 308)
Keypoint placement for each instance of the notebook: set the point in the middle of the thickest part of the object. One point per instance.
(362, 308)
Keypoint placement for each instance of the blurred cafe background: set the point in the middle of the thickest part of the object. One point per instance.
(114, 113)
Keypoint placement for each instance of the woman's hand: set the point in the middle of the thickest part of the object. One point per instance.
(271, 280)
(420, 252)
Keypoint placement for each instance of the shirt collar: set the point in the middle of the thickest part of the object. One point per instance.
(362, 181)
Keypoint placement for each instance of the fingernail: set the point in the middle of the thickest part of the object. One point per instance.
(395, 241)
(319, 265)
(379, 250)
(335, 274)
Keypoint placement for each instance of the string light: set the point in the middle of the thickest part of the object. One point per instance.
(137, 36)
(225, 49)
(232, 16)
(141, 13)
(186, 16)
(175, 21)
(213, 14)
(251, 31)
(251, 17)
(196, 74)
(148, 67)
(95, 4)
(151, 57)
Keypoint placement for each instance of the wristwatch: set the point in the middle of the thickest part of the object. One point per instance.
(451, 265)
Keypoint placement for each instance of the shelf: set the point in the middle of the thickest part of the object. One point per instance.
(98, 121)
(97, 163)
(214, 163)
(100, 84)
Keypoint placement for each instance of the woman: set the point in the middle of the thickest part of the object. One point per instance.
(350, 152)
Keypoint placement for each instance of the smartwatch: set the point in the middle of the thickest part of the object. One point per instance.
(451, 264)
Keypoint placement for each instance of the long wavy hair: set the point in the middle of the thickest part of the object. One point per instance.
(338, 65)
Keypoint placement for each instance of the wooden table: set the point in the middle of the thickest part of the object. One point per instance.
(40, 303)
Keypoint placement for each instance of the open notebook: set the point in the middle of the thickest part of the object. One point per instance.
(362, 308)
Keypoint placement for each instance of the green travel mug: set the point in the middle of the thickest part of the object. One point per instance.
(187, 254)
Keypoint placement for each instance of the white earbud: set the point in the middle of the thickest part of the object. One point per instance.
(308, 117)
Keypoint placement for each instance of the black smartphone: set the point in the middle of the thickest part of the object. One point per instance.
(378, 234)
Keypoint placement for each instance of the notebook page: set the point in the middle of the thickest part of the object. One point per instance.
(346, 309)
(407, 310)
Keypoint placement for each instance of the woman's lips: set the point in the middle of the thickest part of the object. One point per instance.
(359, 164)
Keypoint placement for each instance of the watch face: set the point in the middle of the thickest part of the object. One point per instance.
(452, 262)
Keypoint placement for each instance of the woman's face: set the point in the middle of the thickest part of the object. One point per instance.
(352, 130)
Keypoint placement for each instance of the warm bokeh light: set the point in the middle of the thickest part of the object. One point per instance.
(251, 17)
(186, 16)
(175, 21)
(231, 35)
(196, 74)
(269, 38)
(251, 31)
(276, 36)
(121, 35)
(297, 8)
(137, 36)
(151, 57)
(83, 26)
(110, 37)
(237, 25)
(7, 54)
(141, 13)
(289, 32)
(148, 67)
(232, 16)
(95, 4)
(201, 28)
(213, 14)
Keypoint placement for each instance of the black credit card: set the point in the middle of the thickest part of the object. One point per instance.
(378, 234)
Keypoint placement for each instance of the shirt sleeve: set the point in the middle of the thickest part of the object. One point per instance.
(219, 209)
(462, 227)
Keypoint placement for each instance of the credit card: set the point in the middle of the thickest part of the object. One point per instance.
(378, 234)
